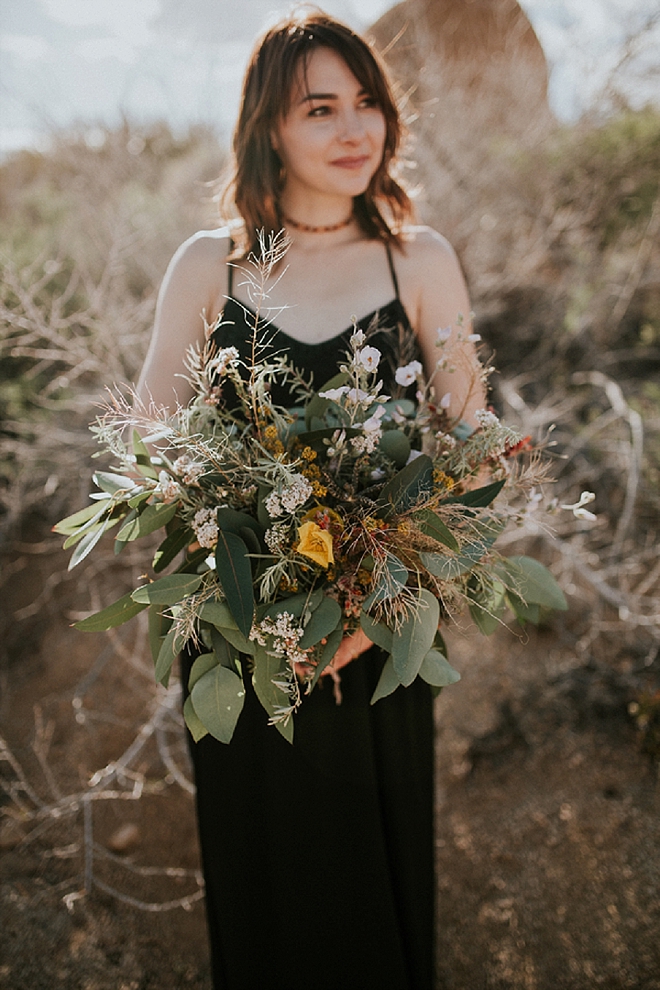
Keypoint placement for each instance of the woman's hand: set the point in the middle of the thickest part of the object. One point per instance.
(350, 648)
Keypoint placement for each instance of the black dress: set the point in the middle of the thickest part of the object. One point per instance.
(318, 856)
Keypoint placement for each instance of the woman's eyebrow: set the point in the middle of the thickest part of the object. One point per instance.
(326, 96)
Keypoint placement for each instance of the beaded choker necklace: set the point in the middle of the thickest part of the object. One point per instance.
(308, 228)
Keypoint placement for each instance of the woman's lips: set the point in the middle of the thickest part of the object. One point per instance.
(353, 162)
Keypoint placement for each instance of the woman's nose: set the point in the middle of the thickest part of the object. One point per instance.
(351, 126)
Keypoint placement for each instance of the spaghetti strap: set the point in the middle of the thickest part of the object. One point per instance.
(390, 261)
(230, 271)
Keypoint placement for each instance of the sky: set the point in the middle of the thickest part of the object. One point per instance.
(64, 62)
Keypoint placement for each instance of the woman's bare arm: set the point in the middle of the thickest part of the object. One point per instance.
(193, 289)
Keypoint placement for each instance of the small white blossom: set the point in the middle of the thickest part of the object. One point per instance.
(445, 401)
(359, 397)
(290, 498)
(408, 374)
(474, 337)
(367, 443)
(222, 360)
(334, 394)
(277, 537)
(167, 487)
(188, 469)
(578, 509)
(485, 418)
(206, 528)
(357, 339)
(369, 358)
(443, 335)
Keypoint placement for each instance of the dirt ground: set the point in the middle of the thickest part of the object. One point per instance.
(547, 812)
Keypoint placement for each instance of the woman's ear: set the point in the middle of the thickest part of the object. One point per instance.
(274, 141)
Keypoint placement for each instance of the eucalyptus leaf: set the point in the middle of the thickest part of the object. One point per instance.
(478, 497)
(414, 638)
(112, 483)
(432, 525)
(387, 683)
(169, 651)
(377, 632)
(171, 546)
(143, 458)
(167, 590)
(327, 654)
(159, 626)
(437, 671)
(268, 669)
(523, 611)
(114, 615)
(218, 697)
(448, 567)
(202, 664)
(226, 653)
(533, 582)
(71, 524)
(325, 619)
(234, 573)
(151, 518)
(295, 605)
(407, 487)
(391, 581)
(196, 729)
(86, 545)
(233, 521)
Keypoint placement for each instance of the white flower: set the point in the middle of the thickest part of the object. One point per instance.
(288, 500)
(334, 394)
(222, 360)
(443, 335)
(373, 423)
(445, 401)
(189, 470)
(578, 509)
(369, 358)
(408, 374)
(366, 444)
(277, 537)
(206, 528)
(359, 397)
(357, 340)
(485, 418)
(167, 487)
(474, 337)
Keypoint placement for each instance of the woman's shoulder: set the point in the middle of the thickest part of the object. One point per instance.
(426, 253)
(206, 247)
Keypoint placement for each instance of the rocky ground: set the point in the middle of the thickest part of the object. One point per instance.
(547, 816)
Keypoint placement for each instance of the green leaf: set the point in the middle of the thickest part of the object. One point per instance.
(432, 525)
(203, 663)
(387, 683)
(159, 626)
(218, 614)
(114, 615)
(407, 487)
(327, 654)
(169, 651)
(150, 519)
(390, 582)
(317, 407)
(522, 611)
(295, 605)
(533, 582)
(325, 619)
(446, 567)
(71, 524)
(112, 483)
(86, 545)
(487, 606)
(267, 669)
(377, 632)
(172, 545)
(218, 697)
(235, 576)
(479, 497)
(195, 727)
(143, 458)
(437, 671)
(233, 521)
(413, 640)
(93, 526)
(167, 590)
(225, 652)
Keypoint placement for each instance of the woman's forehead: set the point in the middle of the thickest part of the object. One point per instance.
(322, 72)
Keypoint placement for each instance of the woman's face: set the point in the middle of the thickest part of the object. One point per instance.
(331, 140)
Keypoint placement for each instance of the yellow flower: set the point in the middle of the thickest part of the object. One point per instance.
(315, 543)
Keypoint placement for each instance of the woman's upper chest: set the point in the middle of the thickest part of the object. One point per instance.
(315, 293)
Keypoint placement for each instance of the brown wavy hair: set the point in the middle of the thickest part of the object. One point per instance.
(255, 183)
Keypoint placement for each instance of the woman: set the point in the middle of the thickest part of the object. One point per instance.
(318, 857)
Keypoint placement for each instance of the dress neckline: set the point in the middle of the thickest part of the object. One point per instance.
(328, 340)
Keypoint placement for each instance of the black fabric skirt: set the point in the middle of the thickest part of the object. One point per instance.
(318, 856)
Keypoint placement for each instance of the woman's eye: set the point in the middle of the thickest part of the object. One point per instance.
(321, 111)
(368, 102)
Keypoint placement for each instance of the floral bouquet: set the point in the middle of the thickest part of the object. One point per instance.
(286, 529)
